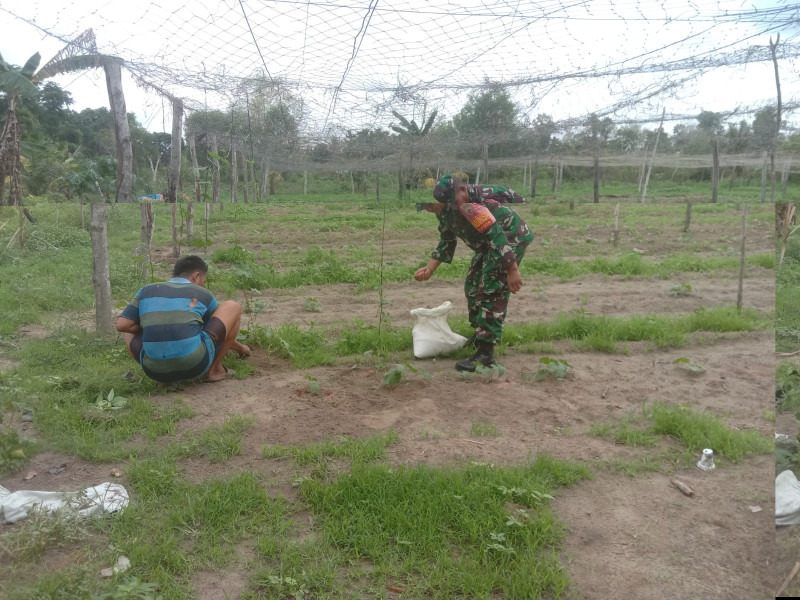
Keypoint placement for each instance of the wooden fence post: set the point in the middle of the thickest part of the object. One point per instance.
(616, 225)
(687, 221)
(98, 231)
(742, 260)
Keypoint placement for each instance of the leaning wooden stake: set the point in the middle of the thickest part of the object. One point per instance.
(764, 179)
(653, 157)
(176, 249)
(641, 172)
(596, 189)
(305, 182)
(98, 231)
(688, 220)
(534, 175)
(616, 225)
(378, 187)
(742, 259)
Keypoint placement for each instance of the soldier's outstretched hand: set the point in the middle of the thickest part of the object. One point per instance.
(423, 274)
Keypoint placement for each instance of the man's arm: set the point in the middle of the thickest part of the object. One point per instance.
(125, 325)
(128, 321)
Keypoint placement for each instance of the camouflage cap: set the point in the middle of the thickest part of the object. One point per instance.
(444, 190)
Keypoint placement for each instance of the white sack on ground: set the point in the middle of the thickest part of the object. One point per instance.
(787, 499)
(106, 497)
(432, 335)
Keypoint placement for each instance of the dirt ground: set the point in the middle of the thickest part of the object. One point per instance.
(637, 534)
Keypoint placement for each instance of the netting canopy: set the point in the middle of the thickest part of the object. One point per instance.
(349, 63)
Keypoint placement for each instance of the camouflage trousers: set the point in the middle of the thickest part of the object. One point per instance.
(487, 294)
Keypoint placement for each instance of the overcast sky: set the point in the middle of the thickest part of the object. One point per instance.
(344, 58)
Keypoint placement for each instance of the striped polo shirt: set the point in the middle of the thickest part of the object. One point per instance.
(172, 316)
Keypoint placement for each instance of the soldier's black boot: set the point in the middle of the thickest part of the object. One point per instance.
(483, 356)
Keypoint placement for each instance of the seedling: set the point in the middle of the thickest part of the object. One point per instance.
(490, 372)
(110, 402)
(683, 289)
(693, 367)
(313, 385)
(399, 372)
(551, 367)
(312, 305)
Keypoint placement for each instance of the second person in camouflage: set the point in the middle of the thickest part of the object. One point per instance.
(478, 215)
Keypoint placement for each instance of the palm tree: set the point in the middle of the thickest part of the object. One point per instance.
(16, 83)
(409, 130)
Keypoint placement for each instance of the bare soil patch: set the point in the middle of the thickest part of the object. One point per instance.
(621, 530)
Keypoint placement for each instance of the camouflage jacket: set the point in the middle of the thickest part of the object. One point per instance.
(480, 193)
(499, 240)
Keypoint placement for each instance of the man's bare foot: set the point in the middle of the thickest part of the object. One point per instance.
(219, 374)
(241, 349)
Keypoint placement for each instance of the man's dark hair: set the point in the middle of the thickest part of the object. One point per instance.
(186, 265)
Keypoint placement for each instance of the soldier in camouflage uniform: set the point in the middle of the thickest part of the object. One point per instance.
(498, 235)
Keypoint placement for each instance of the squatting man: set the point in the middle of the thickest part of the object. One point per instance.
(178, 331)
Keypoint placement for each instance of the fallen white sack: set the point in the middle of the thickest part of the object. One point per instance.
(432, 335)
(787, 499)
(106, 497)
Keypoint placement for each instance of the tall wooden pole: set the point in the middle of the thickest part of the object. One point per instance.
(774, 145)
(122, 131)
(175, 152)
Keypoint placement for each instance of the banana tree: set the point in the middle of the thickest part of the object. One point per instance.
(413, 133)
(16, 84)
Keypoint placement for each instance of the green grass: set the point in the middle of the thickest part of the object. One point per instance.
(174, 527)
(695, 431)
(482, 428)
(216, 443)
(60, 378)
(359, 451)
(329, 268)
(322, 346)
(445, 533)
(704, 430)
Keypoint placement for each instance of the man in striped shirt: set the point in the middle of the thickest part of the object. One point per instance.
(177, 330)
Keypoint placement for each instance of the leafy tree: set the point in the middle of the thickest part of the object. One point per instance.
(489, 118)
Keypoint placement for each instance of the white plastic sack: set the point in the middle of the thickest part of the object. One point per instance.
(431, 333)
(106, 497)
(787, 499)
